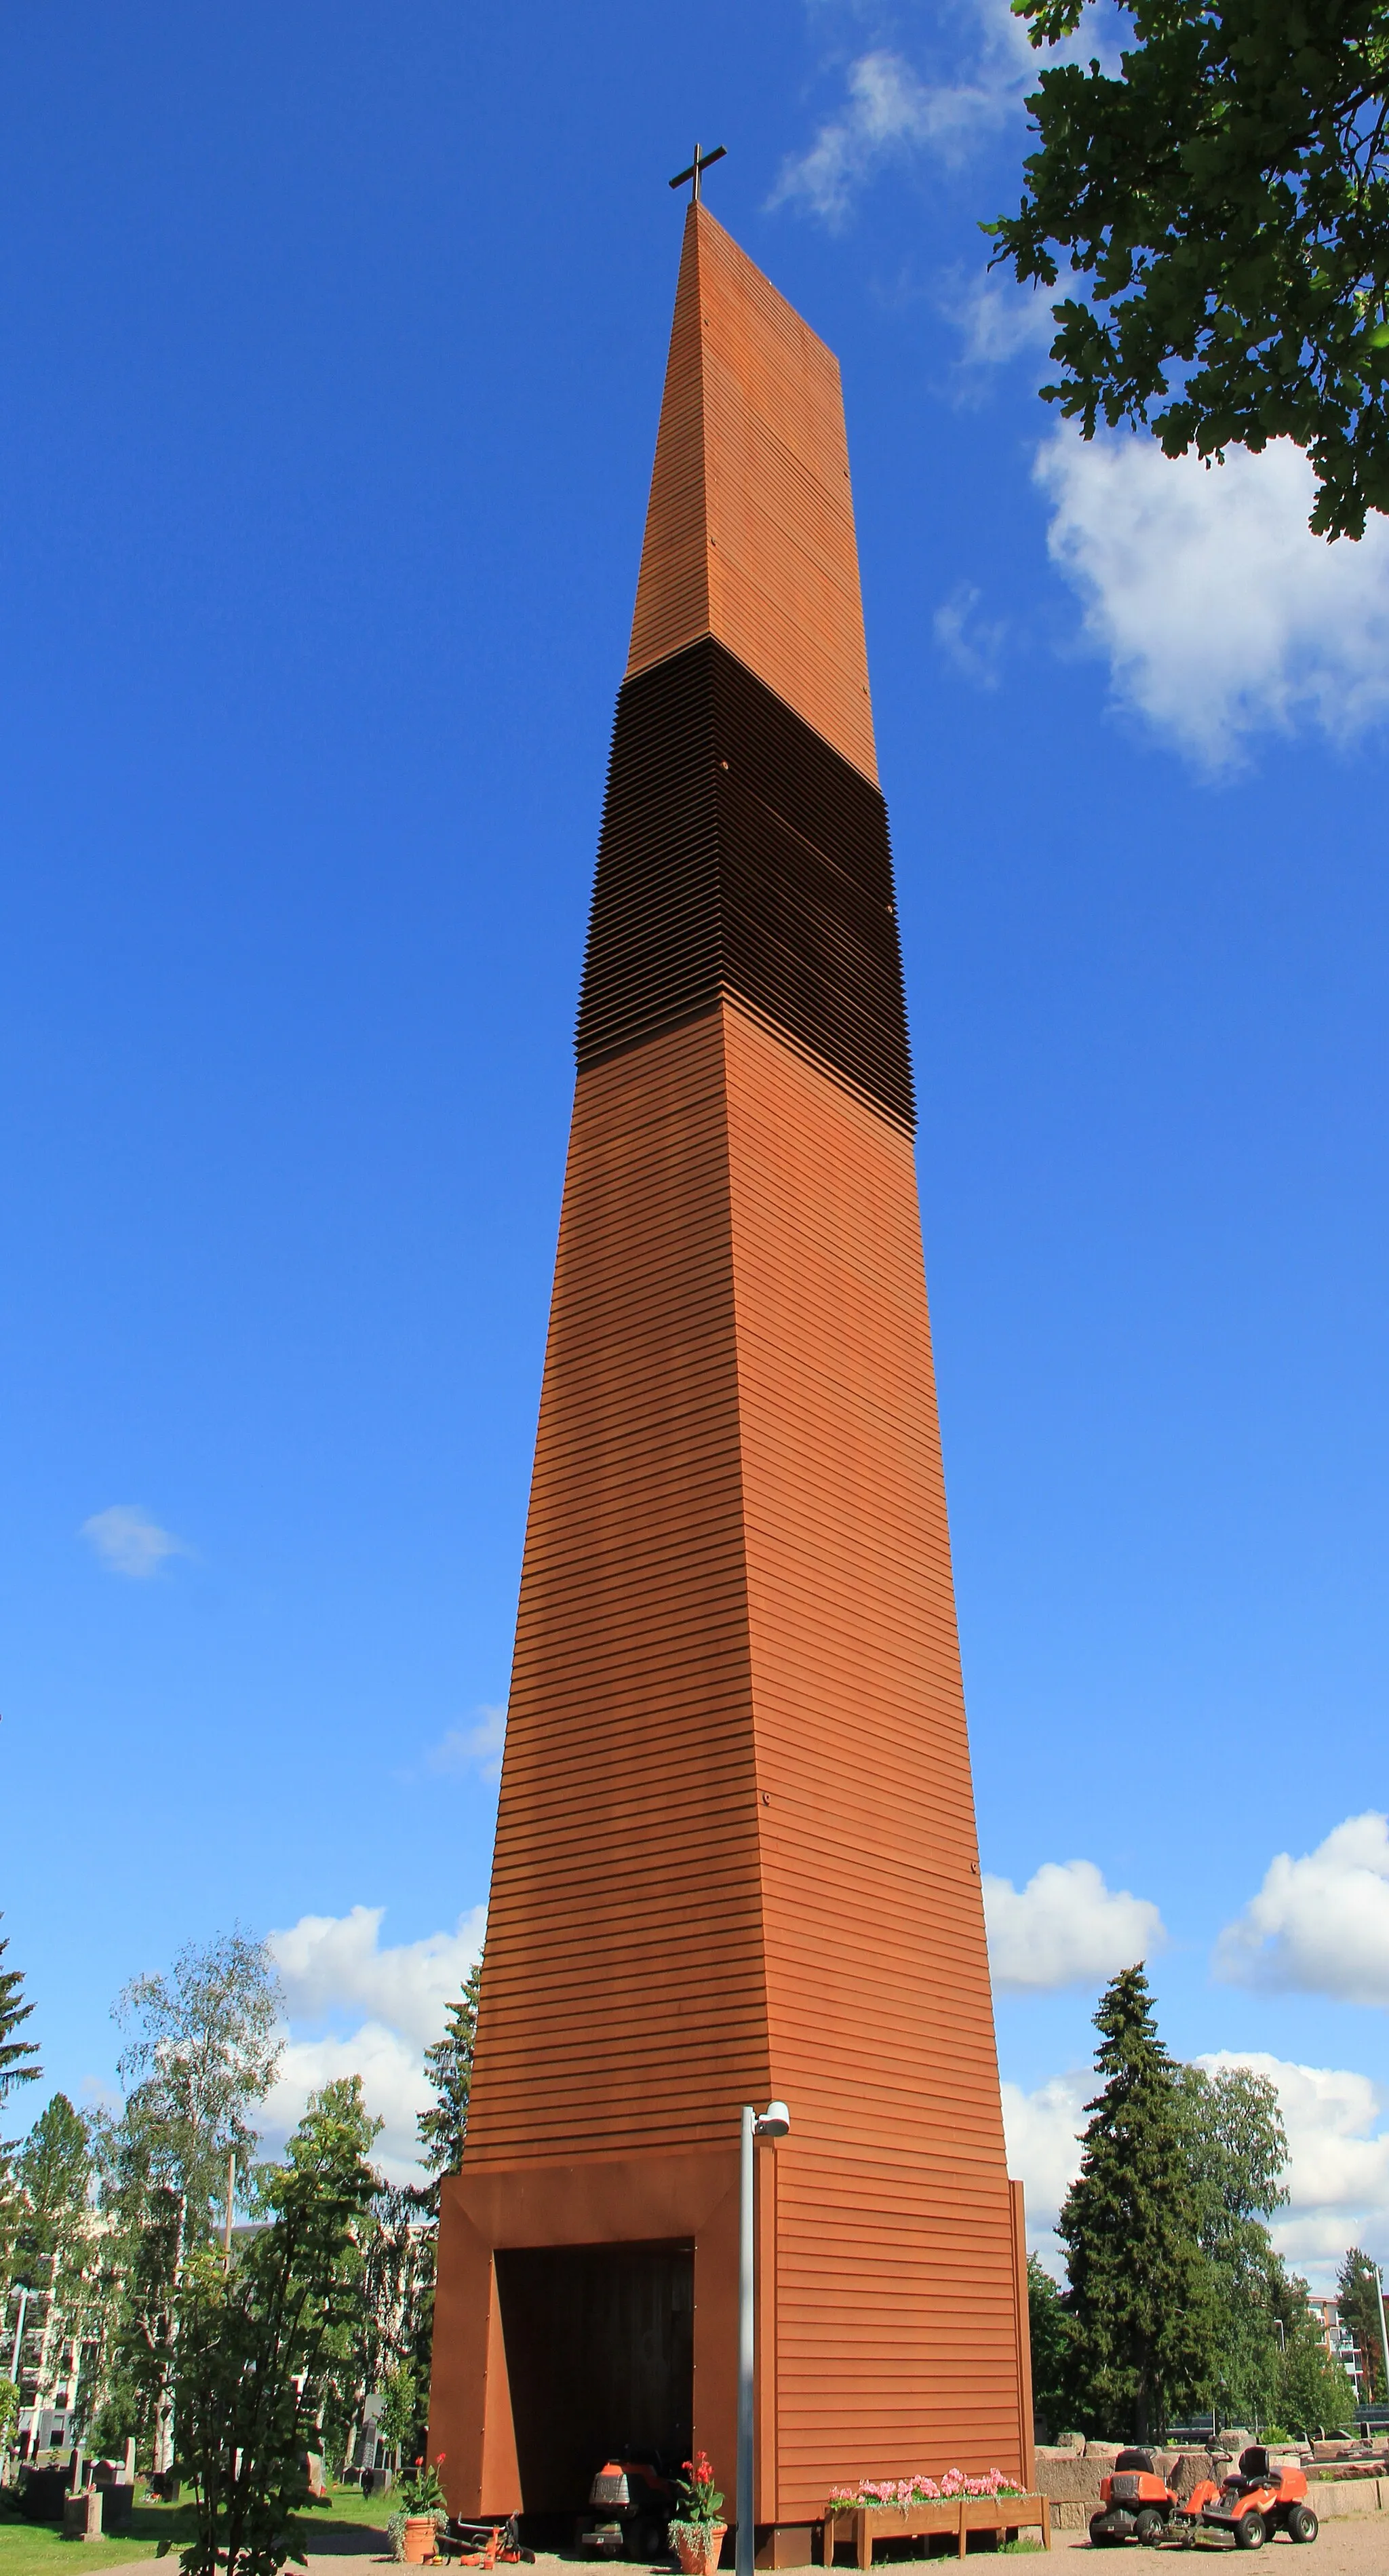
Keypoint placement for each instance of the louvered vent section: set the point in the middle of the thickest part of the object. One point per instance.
(741, 855)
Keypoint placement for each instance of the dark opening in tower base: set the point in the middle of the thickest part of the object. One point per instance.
(600, 2360)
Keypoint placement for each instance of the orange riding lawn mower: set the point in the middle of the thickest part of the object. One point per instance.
(1253, 2505)
(631, 2502)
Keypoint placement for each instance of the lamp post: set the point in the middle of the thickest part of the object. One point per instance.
(1383, 2329)
(771, 2123)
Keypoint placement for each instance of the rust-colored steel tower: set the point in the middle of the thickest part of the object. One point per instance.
(735, 1850)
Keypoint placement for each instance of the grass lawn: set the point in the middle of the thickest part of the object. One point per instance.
(39, 2549)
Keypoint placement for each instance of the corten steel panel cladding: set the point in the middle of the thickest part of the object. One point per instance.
(735, 1849)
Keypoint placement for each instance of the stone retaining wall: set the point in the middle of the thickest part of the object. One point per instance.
(1332, 2497)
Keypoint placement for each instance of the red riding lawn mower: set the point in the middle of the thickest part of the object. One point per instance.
(1254, 2504)
(1135, 2503)
(1258, 2501)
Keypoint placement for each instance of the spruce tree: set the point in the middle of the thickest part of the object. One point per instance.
(15, 2054)
(1357, 2295)
(1141, 2296)
(19, 2064)
(449, 2066)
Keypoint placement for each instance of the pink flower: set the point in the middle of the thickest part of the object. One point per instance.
(900, 2494)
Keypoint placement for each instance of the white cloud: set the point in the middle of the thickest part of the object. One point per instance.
(1319, 1925)
(335, 1964)
(1338, 2161)
(471, 1748)
(998, 320)
(393, 2081)
(1066, 1927)
(1042, 2131)
(1338, 2158)
(973, 643)
(128, 1541)
(890, 112)
(333, 1967)
(1220, 613)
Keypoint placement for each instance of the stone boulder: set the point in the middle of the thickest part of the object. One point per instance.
(1071, 2483)
(1185, 2470)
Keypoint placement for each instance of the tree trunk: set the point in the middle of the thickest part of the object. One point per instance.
(164, 2404)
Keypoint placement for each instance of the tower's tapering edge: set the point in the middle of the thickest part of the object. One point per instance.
(750, 528)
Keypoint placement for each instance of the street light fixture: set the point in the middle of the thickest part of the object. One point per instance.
(771, 2123)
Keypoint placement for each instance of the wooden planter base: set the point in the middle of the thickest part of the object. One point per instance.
(861, 2525)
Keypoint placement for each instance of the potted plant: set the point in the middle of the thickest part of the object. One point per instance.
(426, 2505)
(696, 2533)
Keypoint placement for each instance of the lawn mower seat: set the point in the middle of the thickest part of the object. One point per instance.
(1254, 2467)
(1142, 2460)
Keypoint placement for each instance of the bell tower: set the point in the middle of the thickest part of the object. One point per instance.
(735, 1851)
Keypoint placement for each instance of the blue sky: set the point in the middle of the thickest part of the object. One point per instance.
(331, 344)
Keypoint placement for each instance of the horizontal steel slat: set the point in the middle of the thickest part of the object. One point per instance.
(739, 853)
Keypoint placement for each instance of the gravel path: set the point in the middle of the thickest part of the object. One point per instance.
(1347, 2547)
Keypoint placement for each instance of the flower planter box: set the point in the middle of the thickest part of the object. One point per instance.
(860, 2525)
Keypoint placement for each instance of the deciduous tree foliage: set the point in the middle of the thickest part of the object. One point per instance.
(202, 2056)
(1236, 2150)
(258, 2347)
(1314, 2395)
(1051, 2333)
(1224, 191)
(1141, 2297)
(203, 2053)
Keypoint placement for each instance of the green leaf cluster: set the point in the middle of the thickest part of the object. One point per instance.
(1314, 2395)
(1236, 2151)
(422, 2491)
(1051, 2330)
(258, 2345)
(1225, 194)
(399, 2408)
(202, 2054)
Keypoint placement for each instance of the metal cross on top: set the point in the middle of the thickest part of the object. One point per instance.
(701, 161)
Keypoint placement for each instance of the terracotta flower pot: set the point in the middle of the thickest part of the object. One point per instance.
(697, 2546)
(419, 2539)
